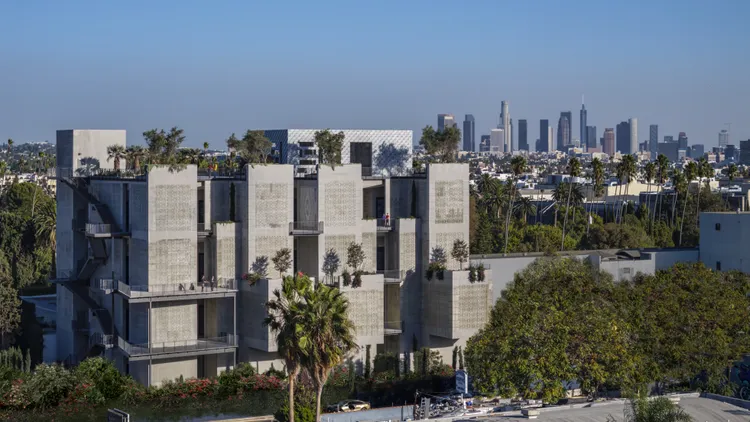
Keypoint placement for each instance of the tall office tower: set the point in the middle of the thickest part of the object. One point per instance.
(513, 146)
(505, 125)
(608, 145)
(563, 132)
(543, 136)
(550, 139)
(623, 138)
(584, 129)
(682, 141)
(497, 141)
(523, 142)
(591, 137)
(445, 121)
(730, 152)
(469, 133)
(723, 138)
(697, 151)
(484, 143)
(745, 152)
(633, 135)
(653, 140)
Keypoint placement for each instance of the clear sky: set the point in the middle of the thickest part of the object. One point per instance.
(216, 67)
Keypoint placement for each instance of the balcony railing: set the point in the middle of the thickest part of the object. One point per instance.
(393, 276)
(93, 229)
(99, 339)
(204, 227)
(306, 227)
(83, 171)
(178, 346)
(180, 289)
(385, 225)
(393, 328)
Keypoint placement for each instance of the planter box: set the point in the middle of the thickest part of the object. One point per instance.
(530, 413)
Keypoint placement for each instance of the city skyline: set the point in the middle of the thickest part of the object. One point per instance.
(212, 75)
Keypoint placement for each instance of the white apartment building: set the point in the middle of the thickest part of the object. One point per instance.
(132, 251)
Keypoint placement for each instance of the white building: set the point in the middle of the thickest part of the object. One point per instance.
(497, 141)
(633, 135)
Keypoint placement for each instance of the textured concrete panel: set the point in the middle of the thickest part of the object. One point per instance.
(172, 261)
(370, 246)
(172, 369)
(174, 208)
(174, 321)
(273, 205)
(449, 202)
(407, 249)
(340, 205)
(445, 241)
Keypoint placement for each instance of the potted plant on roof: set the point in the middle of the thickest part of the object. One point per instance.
(355, 257)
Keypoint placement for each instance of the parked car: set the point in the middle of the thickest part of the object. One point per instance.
(348, 406)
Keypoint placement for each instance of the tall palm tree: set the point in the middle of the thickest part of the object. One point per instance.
(703, 170)
(628, 171)
(649, 174)
(134, 155)
(678, 183)
(496, 200)
(286, 318)
(662, 167)
(205, 147)
(517, 167)
(558, 195)
(691, 170)
(10, 145)
(574, 169)
(525, 207)
(331, 335)
(598, 179)
(116, 152)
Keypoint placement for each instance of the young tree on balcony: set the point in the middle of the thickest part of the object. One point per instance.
(330, 145)
(282, 261)
(355, 257)
(253, 148)
(441, 145)
(460, 252)
(438, 261)
(116, 153)
(331, 263)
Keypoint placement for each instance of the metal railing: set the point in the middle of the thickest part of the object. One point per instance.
(102, 283)
(393, 274)
(100, 339)
(306, 227)
(196, 288)
(84, 171)
(221, 174)
(177, 346)
(384, 224)
(94, 228)
(204, 227)
(394, 327)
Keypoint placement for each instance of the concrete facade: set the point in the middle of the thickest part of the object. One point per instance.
(722, 240)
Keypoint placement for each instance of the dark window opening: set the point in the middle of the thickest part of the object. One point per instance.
(361, 153)
(718, 265)
(718, 227)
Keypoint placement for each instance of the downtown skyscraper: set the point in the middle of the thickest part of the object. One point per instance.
(591, 137)
(623, 138)
(723, 138)
(653, 141)
(523, 141)
(584, 131)
(608, 145)
(446, 121)
(564, 126)
(505, 125)
(544, 138)
(469, 135)
(633, 123)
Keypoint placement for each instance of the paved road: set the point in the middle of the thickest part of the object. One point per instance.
(374, 415)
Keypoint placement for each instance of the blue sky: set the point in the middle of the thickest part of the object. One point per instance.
(219, 67)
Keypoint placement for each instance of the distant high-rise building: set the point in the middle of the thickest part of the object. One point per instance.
(623, 138)
(633, 122)
(563, 134)
(653, 140)
(543, 145)
(730, 152)
(505, 125)
(682, 141)
(484, 143)
(670, 150)
(668, 138)
(523, 141)
(696, 151)
(551, 142)
(608, 143)
(745, 152)
(723, 138)
(584, 129)
(446, 121)
(469, 133)
(497, 141)
(513, 146)
(591, 137)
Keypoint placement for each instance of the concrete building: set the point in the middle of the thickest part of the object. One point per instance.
(564, 126)
(550, 139)
(623, 138)
(523, 139)
(633, 123)
(469, 136)
(682, 141)
(484, 143)
(670, 150)
(697, 151)
(591, 139)
(150, 265)
(380, 152)
(446, 121)
(583, 129)
(497, 141)
(506, 127)
(608, 145)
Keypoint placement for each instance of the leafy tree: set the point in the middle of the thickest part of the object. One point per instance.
(460, 358)
(454, 361)
(10, 315)
(162, 146)
(330, 145)
(531, 346)
(253, 148)
(103, 375)
(658, 409)
(517, 167)
(116, 152)
(442, 145)
(282, 261)
(355, 256)
(574, 170)
(460, 252)
(367, 362)
(286, 318)
(331, 263)
(331, 335)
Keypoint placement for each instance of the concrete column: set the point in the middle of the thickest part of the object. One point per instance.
(207, 203)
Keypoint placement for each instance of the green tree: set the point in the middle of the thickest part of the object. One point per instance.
(134, 155)
(253, 148)
(460, 252)
(517, 167)
(531, 345)
(649, 174)
(282, 261)
(10, 310)
(658, 409)
(441, 145)
(627, 172)
(574, 170)
(117, 153)
(331, 335)
(330, 145)
(662, 171)
(286, 319)
(331, 263)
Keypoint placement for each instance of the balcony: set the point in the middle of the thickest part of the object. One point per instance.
(102, 231)
(393, 328)
(384, 225)
(393, 276)
(182, 291)
(204, 229)
(306, 228)
(99, 339)
(81, 325)
(179, 348)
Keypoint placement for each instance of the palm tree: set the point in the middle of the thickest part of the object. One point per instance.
(557, 195)
(574, 169)
(525, 207)
(517, 167)
(662, 167)
(649, 174)
(286, 312)
(598, 179)
(10, 145)
(496, 200)
(703, 170)
(628, 171)
(691, 169)
(678, 182)
(116, 152)
(331, 335)
(134, 155)
(45, 224)
(205, 147)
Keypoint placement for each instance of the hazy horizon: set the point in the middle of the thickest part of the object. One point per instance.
(388, 65)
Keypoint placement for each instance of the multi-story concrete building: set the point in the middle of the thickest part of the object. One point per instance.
(150, 266)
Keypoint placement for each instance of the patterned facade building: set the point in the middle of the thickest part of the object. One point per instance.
(150, 267)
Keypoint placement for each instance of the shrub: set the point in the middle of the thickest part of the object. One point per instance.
(480, 272)
(49, 385)
(231, 381)
(472, 274)
(304, 407)
(103, 375)
(357, 281)
(273, 372)
(347, 278)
